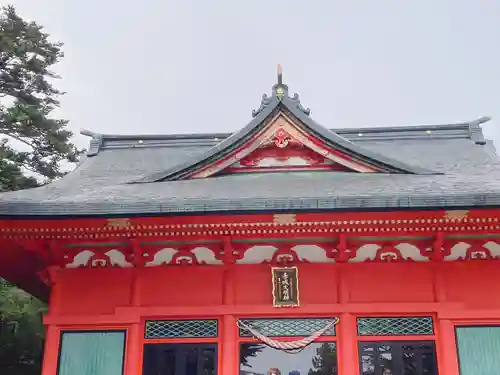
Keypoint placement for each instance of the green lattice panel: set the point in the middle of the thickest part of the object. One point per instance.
(402, 326)
(160, 329)
(287, 327)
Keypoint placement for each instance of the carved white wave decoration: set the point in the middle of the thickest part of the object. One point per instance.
(81, 259)
(162, 257)
(173, 256)
(304, 253)
(464, 251)
(271, 254)
(402, 251)
(113, 258)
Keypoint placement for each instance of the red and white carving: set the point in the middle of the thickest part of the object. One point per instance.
(183, 256)
(285, 255)
(279, 254)
(87, 258)
(281, 138)
(286, 145)
(292, 156)
(486, 250)
(388, 253)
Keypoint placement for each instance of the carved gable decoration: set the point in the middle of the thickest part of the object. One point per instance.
(284, 145)
(282, 137)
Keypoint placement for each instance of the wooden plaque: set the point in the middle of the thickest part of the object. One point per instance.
(285, 286)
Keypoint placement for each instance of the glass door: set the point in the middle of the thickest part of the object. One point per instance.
(397, 358)
(180, 359)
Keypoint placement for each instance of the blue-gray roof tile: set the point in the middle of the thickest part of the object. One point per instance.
(468, 167)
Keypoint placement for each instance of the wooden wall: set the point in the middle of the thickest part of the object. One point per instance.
(454, 293)
(468, 283)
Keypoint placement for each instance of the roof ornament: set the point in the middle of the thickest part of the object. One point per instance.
(280, 95)
(280, 88)
(475, 132)
(95, 143)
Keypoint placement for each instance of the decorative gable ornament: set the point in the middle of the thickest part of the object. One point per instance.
(282, 137)
(284, 145)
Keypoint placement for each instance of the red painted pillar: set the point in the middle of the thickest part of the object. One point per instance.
(447, 348)
(229, 355)
(133, 353)
(347, 345)
(445, 336)
(228, 292)
(347, 353)
(51, 352)
(133, 360)
(52, 333)
(230, 351)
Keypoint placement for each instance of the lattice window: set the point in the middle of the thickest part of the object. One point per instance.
(159, 329)
(401, 326)
(287, 327)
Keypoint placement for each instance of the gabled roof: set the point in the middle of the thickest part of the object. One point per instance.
(423, 167)
(285, 114)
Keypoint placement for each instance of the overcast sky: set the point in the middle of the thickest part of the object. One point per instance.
(182, 66)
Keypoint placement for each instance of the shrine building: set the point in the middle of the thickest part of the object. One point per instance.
(285, 248)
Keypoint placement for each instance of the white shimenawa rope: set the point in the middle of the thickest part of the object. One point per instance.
(288, 346)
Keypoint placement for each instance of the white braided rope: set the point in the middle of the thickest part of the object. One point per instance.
(288, 346)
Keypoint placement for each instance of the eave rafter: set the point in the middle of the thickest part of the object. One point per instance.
(258, 225)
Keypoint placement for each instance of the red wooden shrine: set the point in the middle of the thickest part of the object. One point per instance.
(177, 240)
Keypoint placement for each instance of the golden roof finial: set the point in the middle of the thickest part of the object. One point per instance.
(280, 75)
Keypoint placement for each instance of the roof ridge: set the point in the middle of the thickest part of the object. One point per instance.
(279, 98)
(211, 136)
(465, 130)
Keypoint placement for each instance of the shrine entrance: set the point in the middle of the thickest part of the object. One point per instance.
(319, 358)
(288, 346)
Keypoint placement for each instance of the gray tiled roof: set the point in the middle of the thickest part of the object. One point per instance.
(101, 185)
(281, 102)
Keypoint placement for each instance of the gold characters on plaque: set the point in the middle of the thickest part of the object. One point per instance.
(285, 286)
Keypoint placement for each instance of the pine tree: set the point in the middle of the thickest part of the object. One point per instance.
(21, 331)
(33, 147)
(34, 143)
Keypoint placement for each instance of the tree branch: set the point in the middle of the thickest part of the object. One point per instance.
(17, 139)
